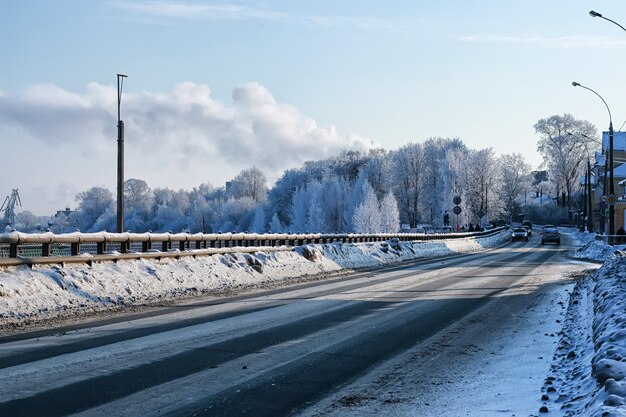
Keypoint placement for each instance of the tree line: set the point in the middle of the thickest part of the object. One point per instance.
(350, 192)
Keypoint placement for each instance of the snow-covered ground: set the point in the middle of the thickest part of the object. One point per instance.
(587, 372)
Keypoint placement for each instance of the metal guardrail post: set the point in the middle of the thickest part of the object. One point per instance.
(75, 248)
(46, 249)
(146, 246)
(101, 247)
(13, 250)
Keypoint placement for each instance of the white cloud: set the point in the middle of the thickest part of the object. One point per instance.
(166, 11)
(189, 10)
(554, 42)
(184, 136)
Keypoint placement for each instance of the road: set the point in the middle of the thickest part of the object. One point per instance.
(275, 352)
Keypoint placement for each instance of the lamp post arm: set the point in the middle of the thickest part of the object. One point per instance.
(606, 105)
(614, 22)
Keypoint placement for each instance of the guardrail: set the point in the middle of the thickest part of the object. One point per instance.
(47, 248)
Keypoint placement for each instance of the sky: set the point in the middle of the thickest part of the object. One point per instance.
(215, 87)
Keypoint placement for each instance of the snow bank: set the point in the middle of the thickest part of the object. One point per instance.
(45, 292)
(597, 250)
(609, 337)
(590, 363)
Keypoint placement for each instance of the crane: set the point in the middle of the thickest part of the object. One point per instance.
(10, 202)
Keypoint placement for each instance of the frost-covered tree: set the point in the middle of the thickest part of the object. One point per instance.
(137, 205)
(30, 223)
(238, 213)
(389, 214)
(300, 209)
(435, 151)
(454, 176)
(335, 199)
(483, 186)
(315, 213)
(275, 225)
(408, 174)
(257, 225)
(92, 204)
(564, 143)
(367, 216)
(201, 212)
(249, 183)
(516, 180)
(378, 172)
(281, 195)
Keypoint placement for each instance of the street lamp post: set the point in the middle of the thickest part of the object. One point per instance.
(593, 13)
(120, 157)
(611, 197)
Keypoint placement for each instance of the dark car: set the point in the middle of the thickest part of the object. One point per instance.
(550, 234)
(519, 233)
(528, 225)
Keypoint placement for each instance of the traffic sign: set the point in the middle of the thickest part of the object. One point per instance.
(456, 210)
(456, 200)
(612, 199)
(481, 214)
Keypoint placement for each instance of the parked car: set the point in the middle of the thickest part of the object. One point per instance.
(551, 234)
(519, 233)
(528, 225)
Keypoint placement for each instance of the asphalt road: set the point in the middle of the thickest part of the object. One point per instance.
(271, 353)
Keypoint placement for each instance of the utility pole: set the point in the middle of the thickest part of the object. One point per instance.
(120, 157)
(589, 199)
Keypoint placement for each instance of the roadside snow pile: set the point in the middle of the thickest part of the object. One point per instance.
(44, 292)
(597, 250)
(592, 249)
(588, 374)
(609, 336)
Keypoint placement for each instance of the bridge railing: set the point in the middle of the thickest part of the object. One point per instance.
(47, 248)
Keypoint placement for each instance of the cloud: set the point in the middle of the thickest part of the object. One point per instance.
(180, 129)
(553, 42)
(166, 11)
(189, 10)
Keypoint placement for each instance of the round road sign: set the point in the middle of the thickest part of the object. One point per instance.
(456, 210)
(456, 200)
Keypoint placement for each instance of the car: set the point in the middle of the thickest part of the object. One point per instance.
(519, 233)
(550, 234)
(546, 226)
(528, 225)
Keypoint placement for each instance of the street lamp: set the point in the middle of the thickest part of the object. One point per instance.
(120, 157)
(611, 197)
(596, 14)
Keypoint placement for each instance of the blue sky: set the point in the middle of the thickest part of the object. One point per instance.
(215, 87)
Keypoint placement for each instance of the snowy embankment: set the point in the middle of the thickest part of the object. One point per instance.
(590, 363)
(46, 292)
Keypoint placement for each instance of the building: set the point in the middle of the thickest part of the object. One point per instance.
(602, 187)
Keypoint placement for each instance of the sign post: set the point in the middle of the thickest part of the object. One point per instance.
(457, 210)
